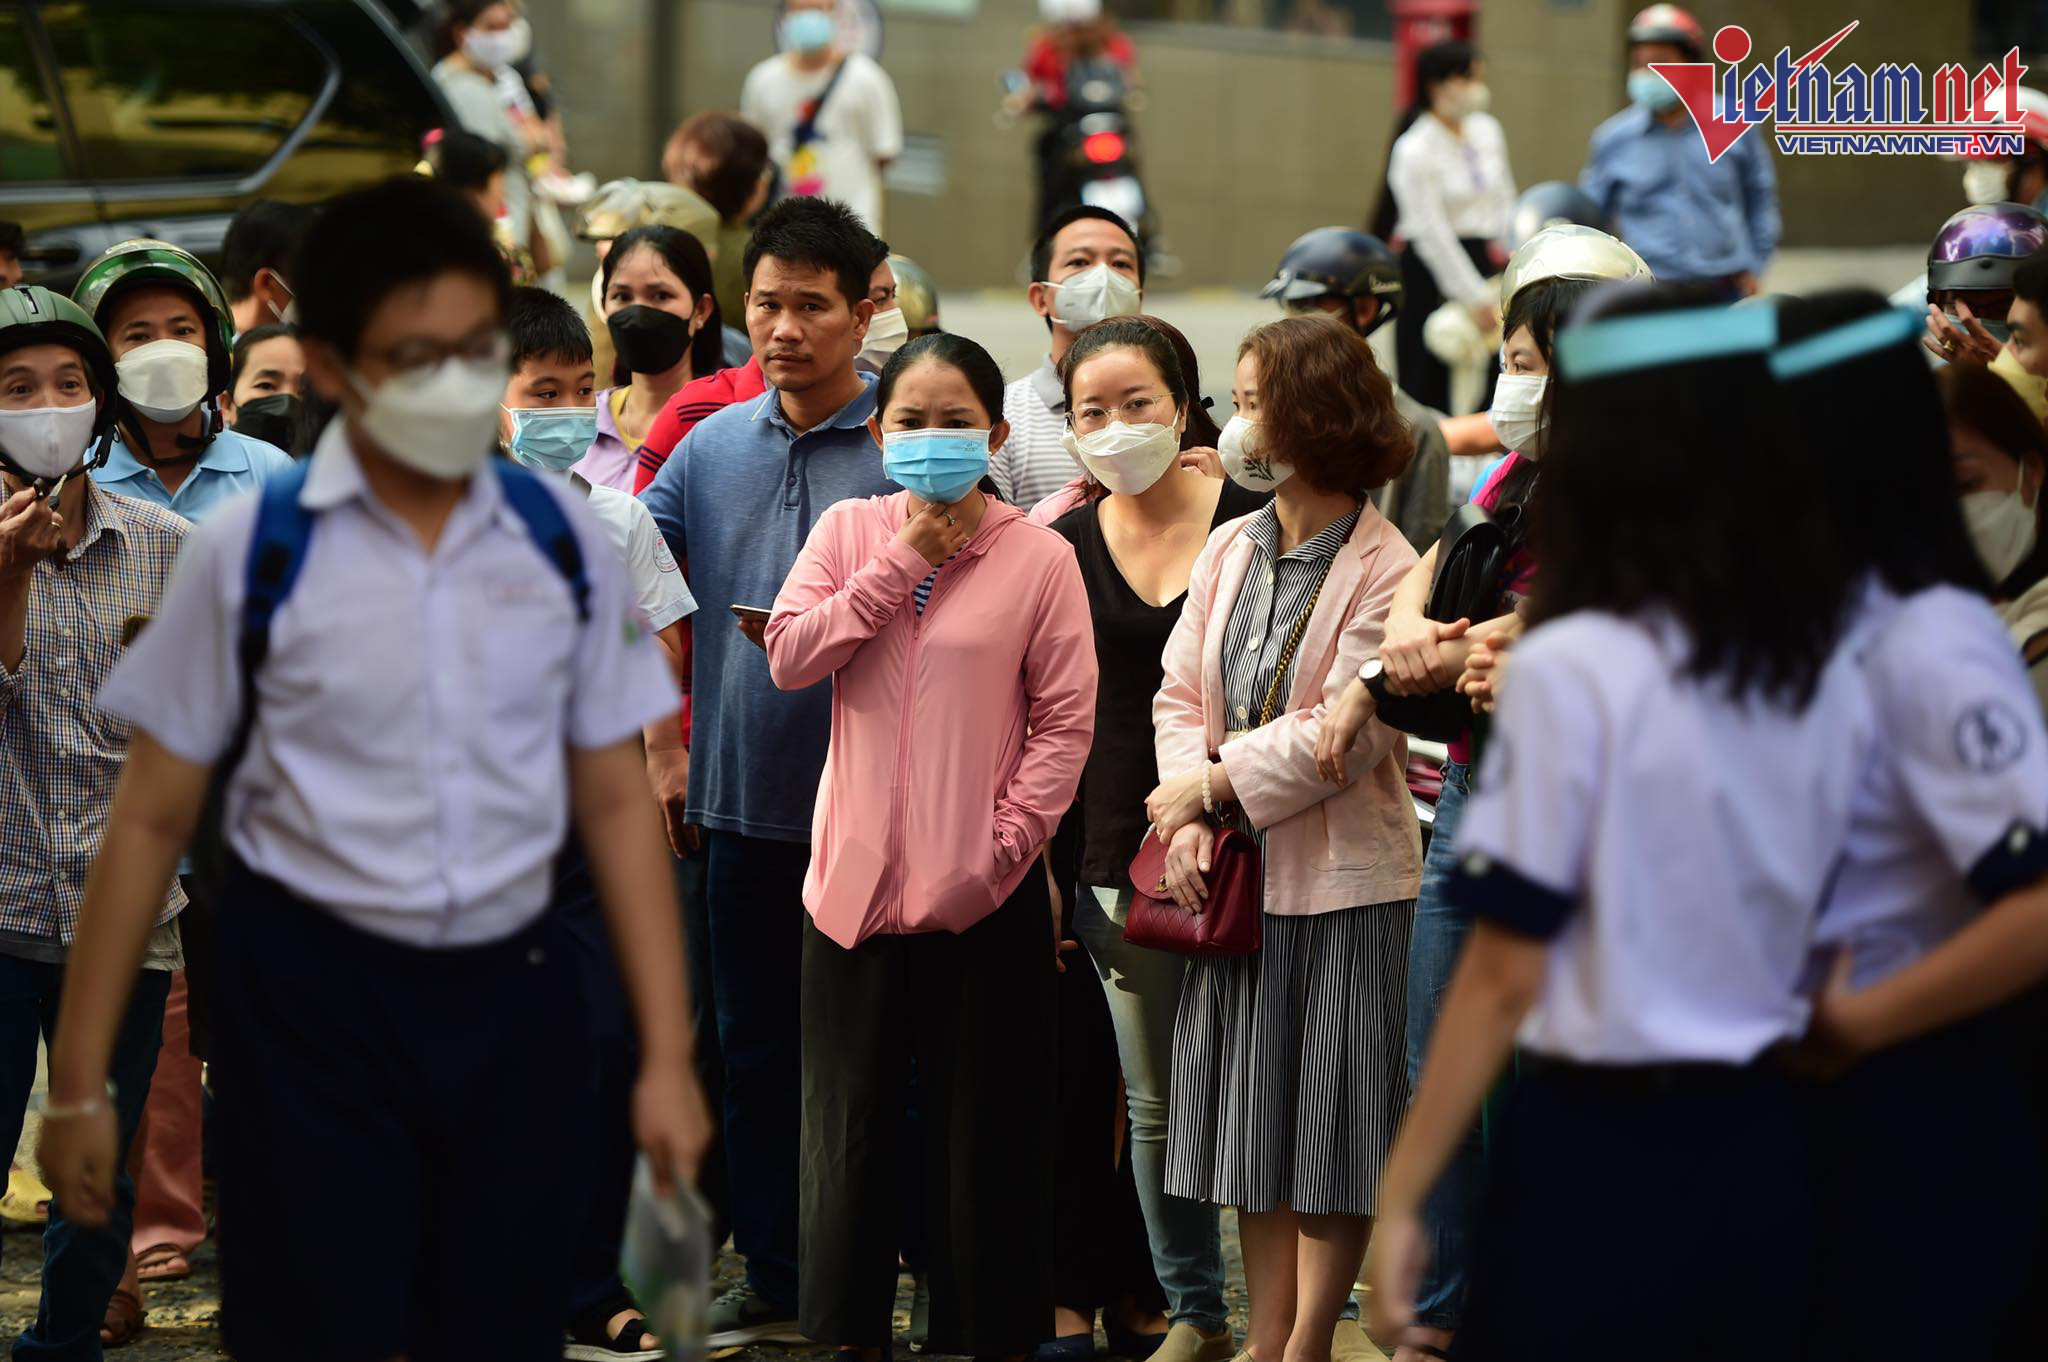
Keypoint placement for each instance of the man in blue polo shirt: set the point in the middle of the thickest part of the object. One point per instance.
(737, 500)
(167, 322)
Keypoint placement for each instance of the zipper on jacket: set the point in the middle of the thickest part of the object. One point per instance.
(899, 797)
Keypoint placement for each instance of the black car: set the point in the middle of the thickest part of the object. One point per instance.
(125, 118)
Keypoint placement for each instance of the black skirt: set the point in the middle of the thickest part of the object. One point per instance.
(1422, 375)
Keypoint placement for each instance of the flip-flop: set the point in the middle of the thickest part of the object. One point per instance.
(26, 1201)
(162, 1264)
(125, 1319)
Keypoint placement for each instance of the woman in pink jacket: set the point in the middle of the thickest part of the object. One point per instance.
(958, 640)
(1288, 1076)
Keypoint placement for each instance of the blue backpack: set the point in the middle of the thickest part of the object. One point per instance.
(277, 550)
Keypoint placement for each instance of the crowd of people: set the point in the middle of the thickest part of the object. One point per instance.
(971, 826)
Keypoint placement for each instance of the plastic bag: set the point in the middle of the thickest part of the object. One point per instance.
(666, 1262)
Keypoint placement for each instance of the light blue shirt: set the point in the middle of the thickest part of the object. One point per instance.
(736, 502)
(1686, 219)
(232, 463)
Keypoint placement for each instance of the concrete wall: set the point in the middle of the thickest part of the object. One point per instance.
(1249, 138)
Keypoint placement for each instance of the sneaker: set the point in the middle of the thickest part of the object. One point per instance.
(740, 1317)
(1349, 1344)
(1185, 1343)
(920, 1312)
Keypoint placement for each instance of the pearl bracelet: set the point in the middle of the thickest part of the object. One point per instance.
(1208, 803)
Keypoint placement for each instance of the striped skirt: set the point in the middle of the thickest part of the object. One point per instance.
(1289, 1074)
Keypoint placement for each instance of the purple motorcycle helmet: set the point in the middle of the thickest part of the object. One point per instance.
(1977, 251)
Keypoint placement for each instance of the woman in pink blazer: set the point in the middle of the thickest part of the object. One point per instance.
(962, 658)
(1288, 1075)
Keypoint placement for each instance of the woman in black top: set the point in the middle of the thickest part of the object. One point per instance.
(1132, 406)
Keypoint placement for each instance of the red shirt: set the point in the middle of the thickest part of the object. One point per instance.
(1046, 65)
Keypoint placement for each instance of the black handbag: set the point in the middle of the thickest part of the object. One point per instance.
(1470, 557)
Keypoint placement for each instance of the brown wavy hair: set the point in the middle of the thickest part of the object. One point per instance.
(1325, 407)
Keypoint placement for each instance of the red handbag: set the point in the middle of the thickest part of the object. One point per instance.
(1227, 925)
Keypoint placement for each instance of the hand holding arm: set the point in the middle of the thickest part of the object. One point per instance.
(822, 615)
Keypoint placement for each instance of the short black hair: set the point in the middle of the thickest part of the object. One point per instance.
(370, 242)
(261, 236)
(249, 340)
(2030, 280)
(545, 325)
(12, 239)
(819, 234)
(463, 160)
(1041, 249)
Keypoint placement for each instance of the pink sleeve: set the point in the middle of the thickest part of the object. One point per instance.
(1180, 730)
(1070, 497)
(1488, 492)
(822, 618)
(1059, 690)
(1273, 769)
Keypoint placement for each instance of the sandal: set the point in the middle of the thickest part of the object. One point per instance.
(590, 1339)
(163, 1263)
(125, 1319)
(26, 1201)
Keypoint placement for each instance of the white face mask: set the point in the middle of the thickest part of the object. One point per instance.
(1126, 459)
(522, 40)
(492, 51)
(1468, 98)
(887, 334)
(1095, 294)
(1985, 181)
(289, 313)
(2003, 526)
(1517, 413)
(441, 421)
(48, 442)
(164, 380)
(1242, 462)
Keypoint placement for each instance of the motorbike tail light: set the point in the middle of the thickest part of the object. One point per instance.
(1103, 148)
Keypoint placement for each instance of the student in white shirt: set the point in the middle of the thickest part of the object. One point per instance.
(1930, 1140)
(1449, 195)
(1658, 810)
(433, 710)
(831, 116)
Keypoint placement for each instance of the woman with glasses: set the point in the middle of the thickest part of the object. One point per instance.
(1129, 407)
(1287, 1064)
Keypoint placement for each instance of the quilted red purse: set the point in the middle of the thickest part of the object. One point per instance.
(1227, 925)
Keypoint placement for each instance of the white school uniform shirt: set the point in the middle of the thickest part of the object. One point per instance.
(658, 585)
(1672, 844)
(1448, 187)
(860, 125)
(1950, 811)
(408, 769)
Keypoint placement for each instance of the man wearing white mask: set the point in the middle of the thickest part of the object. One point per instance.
(888, 329)
(405, 713)
(1087, 266)
(168, 325)
(80, 570)
(832, 118)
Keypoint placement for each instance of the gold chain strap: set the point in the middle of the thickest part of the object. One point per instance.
(1266, 710)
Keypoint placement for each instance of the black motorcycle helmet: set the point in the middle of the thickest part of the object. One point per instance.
(1548, 204)
(1337, 262)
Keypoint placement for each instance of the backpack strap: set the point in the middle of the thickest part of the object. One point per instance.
(536, 506)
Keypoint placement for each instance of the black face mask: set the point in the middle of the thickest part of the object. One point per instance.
(648, 340)
(277, 419)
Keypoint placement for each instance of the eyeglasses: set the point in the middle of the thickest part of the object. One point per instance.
(1138, 411)
(485, 347)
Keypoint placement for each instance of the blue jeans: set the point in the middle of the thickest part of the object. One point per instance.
(81, 1267)
(1433, 946)
(1143, 988)
(754, 903)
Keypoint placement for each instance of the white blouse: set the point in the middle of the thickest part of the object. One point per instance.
(1449, 187)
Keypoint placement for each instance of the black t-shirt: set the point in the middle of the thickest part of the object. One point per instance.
(1130, 639)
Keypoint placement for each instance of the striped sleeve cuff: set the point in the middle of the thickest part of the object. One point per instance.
(1486, 889)
(2014, 861)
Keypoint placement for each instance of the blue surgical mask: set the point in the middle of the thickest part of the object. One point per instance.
(808, 30)
(939, 466)
(552, 438)
(2000, 331)
(1648, 90)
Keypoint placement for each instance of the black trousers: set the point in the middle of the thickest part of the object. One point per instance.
(1628, 1210)
(1423, 376)
(975, 1011)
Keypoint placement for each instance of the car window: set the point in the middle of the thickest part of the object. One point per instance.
(29, 149)
(194, 92)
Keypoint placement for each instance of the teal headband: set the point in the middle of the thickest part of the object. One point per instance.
(1892, 326)
(1625, 344)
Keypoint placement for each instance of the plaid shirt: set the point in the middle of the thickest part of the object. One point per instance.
(59, 753)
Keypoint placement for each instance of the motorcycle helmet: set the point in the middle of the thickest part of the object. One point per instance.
(1979, 248)
(1338, 262)
(1548, 204)
(1668, 24)
(1987, 178)
(148, 262)
(917, 294)
(619, 206)
(32, 315)
(1069, 11)
(1569, 251)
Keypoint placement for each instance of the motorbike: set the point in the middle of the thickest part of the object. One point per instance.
(1086, 153)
